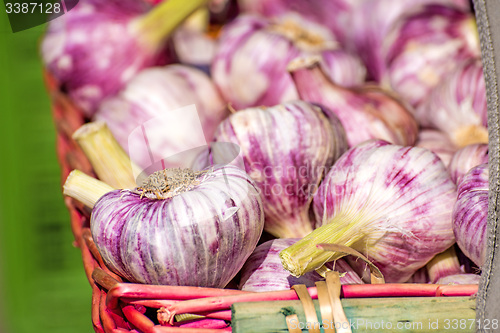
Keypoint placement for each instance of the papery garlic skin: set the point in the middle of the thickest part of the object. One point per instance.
(366, 112)
(389, 202)
(263, 270)
(157, 91)
(250, 64)
(286, 150)
(424, 46)
(470, 213)
(89, 50)
(460, 279)
(200, 237)
(457, 105)
(466, 158)
(437, 142)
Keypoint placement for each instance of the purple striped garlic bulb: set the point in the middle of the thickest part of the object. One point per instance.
(466, 158)
(375, 22)
(263, 270)
(457, 105)
(366, 112)
(286, 149)
(389, 202)
(424, 45)
(250, 64)
(180, 227)
(155, 92)
(437, 142)
(98, 46)
(470, 213)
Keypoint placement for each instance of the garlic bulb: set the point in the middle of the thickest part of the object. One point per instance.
(286, 150)
(376, 19)
(389, 202)
(424, 45)
(159, 92)
(97, 47)
(437, 142)
(465, 159)
(250, 65)
(180, 227)
(263, 270)
(457, 105)
(470, 213)
(366, 112)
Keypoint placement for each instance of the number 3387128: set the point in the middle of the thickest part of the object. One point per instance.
(32, 7)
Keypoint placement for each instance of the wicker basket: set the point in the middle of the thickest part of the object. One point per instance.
(117, 305)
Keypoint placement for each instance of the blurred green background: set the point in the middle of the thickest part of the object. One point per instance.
(43, 287)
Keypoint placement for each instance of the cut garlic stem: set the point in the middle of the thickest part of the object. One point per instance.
(157, 25)
(84, 188)
(110, 162)
(304, 256)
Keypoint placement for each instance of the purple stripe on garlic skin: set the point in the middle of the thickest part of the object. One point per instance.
(84, 49)
(263, 270)
(437, 142)
(250, 64)
(465, 159)
(426, 44)
(377, 18)
(470, 213)
(286, 150)
(157, 91)
(365, 112)
(457, 105)
(389, 202)
(201, 237)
